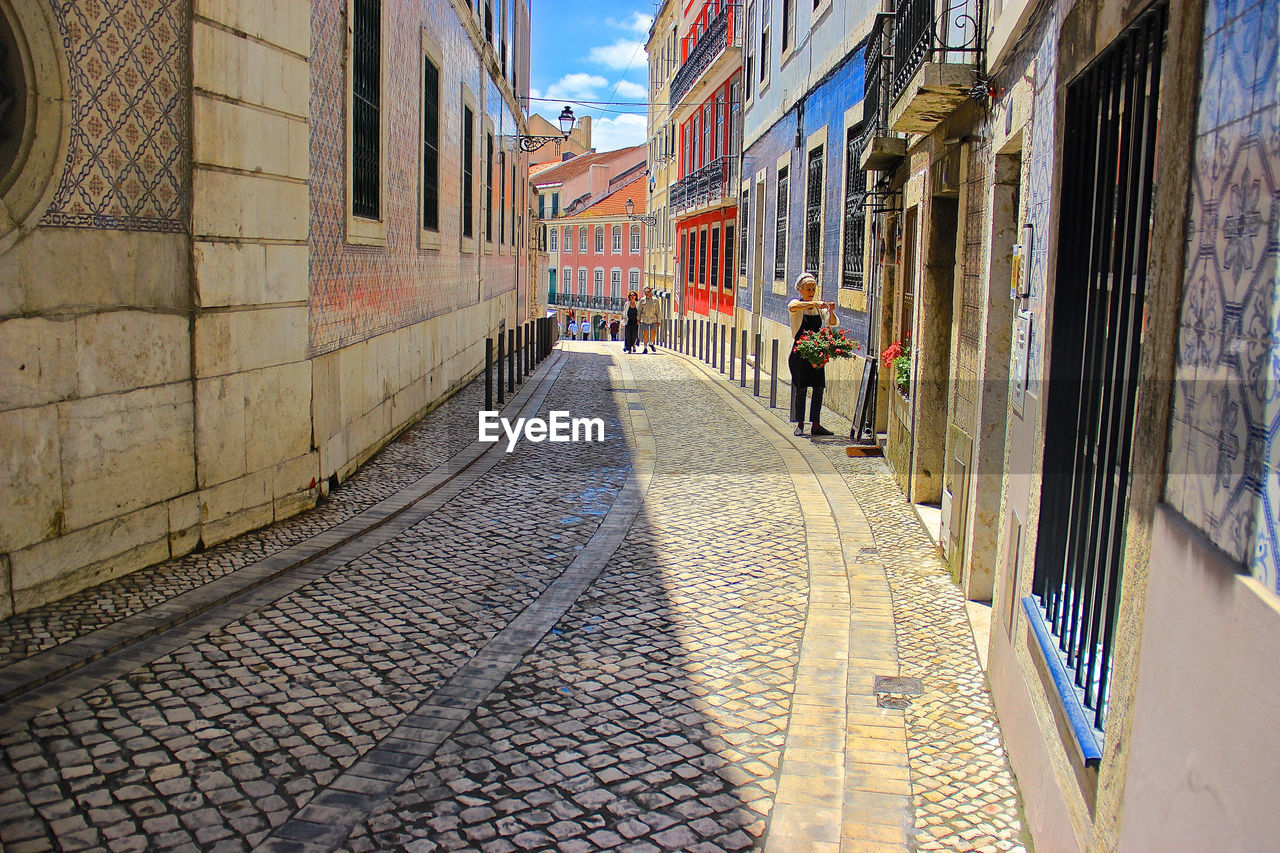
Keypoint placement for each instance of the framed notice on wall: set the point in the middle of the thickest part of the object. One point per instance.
(1018, 360)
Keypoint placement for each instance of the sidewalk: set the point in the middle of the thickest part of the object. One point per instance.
(666, 641)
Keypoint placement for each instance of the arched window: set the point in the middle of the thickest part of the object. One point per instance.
(553, 242)
(617, 239)
(635, 239)
(582, 238)
(599, 239)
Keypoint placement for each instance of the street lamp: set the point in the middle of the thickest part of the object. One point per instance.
(533, 143)
(651, 220)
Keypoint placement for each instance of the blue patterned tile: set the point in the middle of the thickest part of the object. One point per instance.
(1175, 484)
(1266, 542)
(1236, 68)
(1211, 83)
(1217, 13)
(1266, 51)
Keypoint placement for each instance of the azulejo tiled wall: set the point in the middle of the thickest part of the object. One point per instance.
(1224, 457)
(127, 165)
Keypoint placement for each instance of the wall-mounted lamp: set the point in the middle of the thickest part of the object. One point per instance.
(651, 220)
(533, 143)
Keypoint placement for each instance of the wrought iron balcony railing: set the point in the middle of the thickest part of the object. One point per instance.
(944, 31)
(877, 93)
(711, 183)
(721, 33)
(588, 303)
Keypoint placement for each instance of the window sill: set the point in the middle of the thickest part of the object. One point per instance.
(366, 232)
(1063, 697)
(429, 240)
(467, 246)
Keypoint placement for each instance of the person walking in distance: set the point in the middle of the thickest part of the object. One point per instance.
(808, 314)
(573, 329)
(613, 329)
(632, 331)
(650, 311)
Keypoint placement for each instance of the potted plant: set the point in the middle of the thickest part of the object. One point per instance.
(896, 359)
(821, 346)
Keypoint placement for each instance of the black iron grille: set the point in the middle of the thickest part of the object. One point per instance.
(855, 216)
(813, 213)
(430, 145)
(1110, 135)
(366, 131)
(780, 227)
(468, 171)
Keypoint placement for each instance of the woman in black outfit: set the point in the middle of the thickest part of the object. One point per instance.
(808, 315)
(633, 323)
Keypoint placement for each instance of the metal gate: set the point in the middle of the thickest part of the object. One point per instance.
(1104, 235)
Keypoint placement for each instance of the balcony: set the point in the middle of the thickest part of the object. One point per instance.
(588, 303)
(938, 47)
(719, 45)
(708, 186)
(882, 150)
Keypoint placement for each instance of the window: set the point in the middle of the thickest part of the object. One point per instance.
(542, 206)
(727, 284)
(582, 281)
(582, 239)
(855, 216)
(635, 239)
(568, 278)
(813, 213)
(514, 199)
(708, 136)
(751, 43)
(702, 258)
(468, 172)
(488, 188)
(735, 118)
(788, 24)
(553, 241)
(502, 197)
(715, 256)
(719, 144)
(366, 110)
(599, 239)
(780, 229)
(615, 283)
(634, 280)
(555, 205)
(766, 25)
(745, 217)
(488, 21)
(617, 239)
(599, 291)
(430, 144)
(689, 252)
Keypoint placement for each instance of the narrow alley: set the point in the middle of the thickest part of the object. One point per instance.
(691, 636)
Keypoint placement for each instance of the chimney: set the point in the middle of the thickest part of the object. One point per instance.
(599, 178)
(582, 132)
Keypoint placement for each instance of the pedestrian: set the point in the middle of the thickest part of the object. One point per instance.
(585, 327)
(633, 323)
(613, 329)
(573, 329)
(808, 314)
(650, 316)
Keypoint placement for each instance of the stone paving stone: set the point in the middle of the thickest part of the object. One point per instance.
(306, 684)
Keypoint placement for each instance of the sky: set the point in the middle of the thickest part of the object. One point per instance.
(593, 50)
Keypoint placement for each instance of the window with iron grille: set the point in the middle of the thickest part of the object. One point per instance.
(468, 172)
(813, 214)
(599, 240)
(366, 131)
(855, 216)
(430, 145)
(715, 256)
(635, 239)
(488, 188)
(502, 196)
(702, 258)
(744, 216)
(1110, 126)
(780, 226)
(728, 257)
(617, 239)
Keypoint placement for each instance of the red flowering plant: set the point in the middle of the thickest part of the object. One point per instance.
(827, 343)
(897, 357)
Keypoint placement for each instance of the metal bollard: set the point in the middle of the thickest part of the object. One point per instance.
(714, 328)
(773, 376)
(488, 374)
(742, 380)
(519, 330)
(791, 407)
(511, 360)
(755, 389)
(528, 348)
(502, 360)
(733, 354)
(722, 332)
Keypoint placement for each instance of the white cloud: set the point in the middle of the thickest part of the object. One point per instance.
(618, 55)
(627, 89)
(576, 86)
(615, 132)
(639, 23)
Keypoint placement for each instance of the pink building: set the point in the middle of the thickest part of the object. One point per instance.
(601, 255)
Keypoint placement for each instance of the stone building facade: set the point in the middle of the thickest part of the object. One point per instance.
(204, 326)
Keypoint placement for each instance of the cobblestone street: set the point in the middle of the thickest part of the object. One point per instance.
(668, 640)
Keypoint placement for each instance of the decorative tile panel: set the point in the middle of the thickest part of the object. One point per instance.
(127, 163)
(1224, 468)
(359, 292)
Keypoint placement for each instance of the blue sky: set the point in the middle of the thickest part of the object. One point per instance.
(593, 50)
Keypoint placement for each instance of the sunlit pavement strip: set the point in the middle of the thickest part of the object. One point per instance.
(325, 822)
(962, 791)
